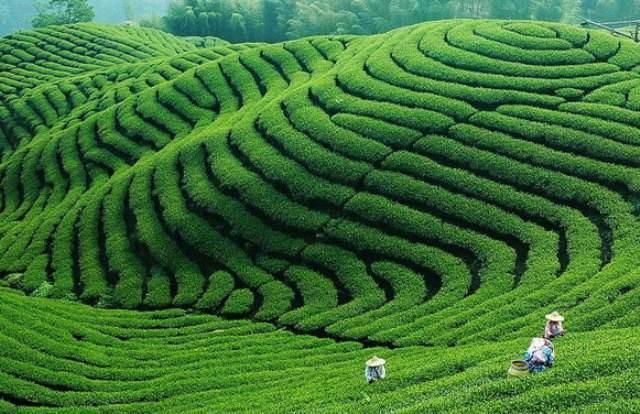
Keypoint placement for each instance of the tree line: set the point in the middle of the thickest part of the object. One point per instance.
(277, 20)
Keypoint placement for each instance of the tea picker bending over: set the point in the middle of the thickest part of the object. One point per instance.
(540, 355)
(374, 369)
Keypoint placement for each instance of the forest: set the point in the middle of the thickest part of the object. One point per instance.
(277, 20)
(196, 226)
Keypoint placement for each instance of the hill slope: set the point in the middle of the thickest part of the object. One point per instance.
(65, 358)
(441, 185)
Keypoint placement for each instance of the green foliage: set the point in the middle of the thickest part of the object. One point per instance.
(63, 12)
(238, 303)
(43, 291)
(34, 277)
(245, 207)
(158, 289)
(277, 20)
(220, 286)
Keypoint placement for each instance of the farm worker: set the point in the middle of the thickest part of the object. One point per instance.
(374, 369)
(554, 325)
(540, 355)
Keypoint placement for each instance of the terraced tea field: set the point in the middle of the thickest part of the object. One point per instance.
(245, 225)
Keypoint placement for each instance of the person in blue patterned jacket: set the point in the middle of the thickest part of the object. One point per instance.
(540, 355)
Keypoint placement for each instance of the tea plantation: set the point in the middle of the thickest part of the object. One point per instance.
(237, 228)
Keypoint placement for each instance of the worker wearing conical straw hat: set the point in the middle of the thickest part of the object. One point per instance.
(374, 369)
(554, 325)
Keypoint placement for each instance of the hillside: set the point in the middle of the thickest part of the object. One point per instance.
(266, 217)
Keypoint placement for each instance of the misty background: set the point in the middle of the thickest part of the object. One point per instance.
(278, 20)
(17, 14)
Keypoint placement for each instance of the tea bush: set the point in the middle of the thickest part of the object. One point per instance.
(261, 219)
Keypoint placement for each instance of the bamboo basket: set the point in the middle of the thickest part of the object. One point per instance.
(518, 368)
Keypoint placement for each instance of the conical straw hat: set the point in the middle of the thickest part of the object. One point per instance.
(375, 362)
(554, 317)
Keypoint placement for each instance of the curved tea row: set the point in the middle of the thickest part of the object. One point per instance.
(437, 185)
(60, 357)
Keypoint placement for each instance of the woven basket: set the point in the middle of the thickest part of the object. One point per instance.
(518, 368)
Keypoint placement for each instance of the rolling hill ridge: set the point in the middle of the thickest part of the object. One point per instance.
(430, 189)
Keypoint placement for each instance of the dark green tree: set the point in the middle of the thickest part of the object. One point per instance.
(510, 9)
(557, 10)
(550, 10)
(425, 10)
(237, 28)
(236, 20)
(607, 10)
(270, 10)
(277, 20)
(62, 12)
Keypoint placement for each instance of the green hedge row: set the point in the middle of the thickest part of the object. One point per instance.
(318, 125)
(583, 245)
(220, 286)
(310, 153)
(158, 289)
(197, 232)
(554, 136)
(463, 36)
(606, 129)
(409, 291)
(319, 294)
(440, 62)
(436, 44)
(252, 190)
(352, 274)
(308, 56)
(453, 275)
(618, 243)
(541, 245)
(400, 65)
(91, 272)
(541, 156)
(334, 100)
(354, 81)
(206, 195)
(287, 173)
(528, 38)
(161, 245)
